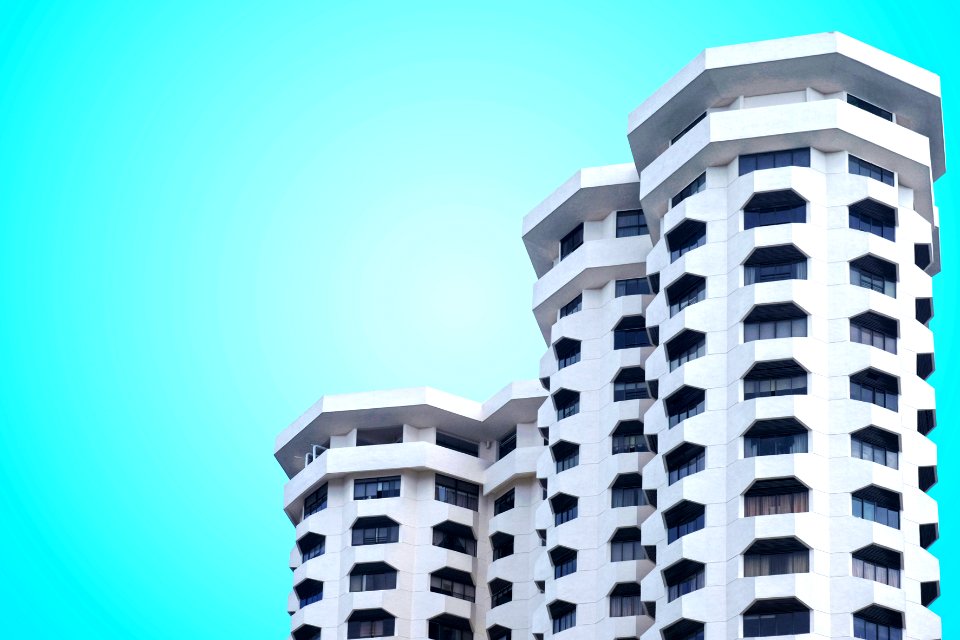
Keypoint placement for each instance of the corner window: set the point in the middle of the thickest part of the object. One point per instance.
(311, 545)
(625, 545)
(688, 345)
(567, 403)
(572, 307)
(308, 592)
(685, 460)
(685, 237)
(315, 502)
(449, 627)
(685, 403)
(506, 444)
(571, 242)
(693, 188)
(686, 291)
(869, 107)
(504, 502)
(878, 564)
(631, 223)
(501, 592)
(564, 508)
(682, 578)
(878, 622)
(685, 518)
(566, 455)
(448, 441)
(567, 351)
(459, 493)
(627, 491)
(563, 614)
(564, 562)
(632, 287)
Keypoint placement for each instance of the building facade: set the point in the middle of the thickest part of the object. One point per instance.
(730, 434)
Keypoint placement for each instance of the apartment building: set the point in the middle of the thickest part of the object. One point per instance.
(729, 438)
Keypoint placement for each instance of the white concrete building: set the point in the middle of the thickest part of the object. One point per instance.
(734, 438)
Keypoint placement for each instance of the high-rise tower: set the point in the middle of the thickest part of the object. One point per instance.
(734, 443)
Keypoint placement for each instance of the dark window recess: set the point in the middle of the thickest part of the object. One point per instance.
(543, 487)
(685, 403)
(628, 438)
(769, 321)
(875, 274)
(683, 577)
(453, 583)
(542, 535)
(567, 403)
(625, 545)
(307, 632)
(455, 537)
(874, 217)
(772, 264)
(564, 508)
(564, 561)
(373, 576)
(685, 460)
(684, 630)
(630, 384)
(631, 223)
(875, 330)
(774, 207)
(694, 187)
(375, 530)
(374, 488)
(502, 545)
(863, 168)
(572, 307)
(929, 591)
(504, 502)
(653, 386)
(875, 622)
(927, 477)
(315, 502)
(775, 378)
(308, 592)
(567, 351)
(776, 556)
(685, 291)
(506, 444)
(876, 445)
(682, 519)
(572, 241)
(685, 237)
(929, 533)
(566, 455)
(925, 365)
(631, 332)
(774, 159)
(625, 601)
(545, 383)
(458, 444)
(383, 435)
(563, 614)
(877, 505)
(779, 436)
(878, 564)
(776, 496)
(627, 491)
(457, 492)
(870, 107)
(449, 627)
(687, 346)
(541, 585)
(496, 632)
(687, 128)
(501, 592)
(922, 255)
(311, 545)
(776, 617)
(926, 421)
(370, 623)
(654, 280)
(924, 310)
(631, 287)
(876, 388)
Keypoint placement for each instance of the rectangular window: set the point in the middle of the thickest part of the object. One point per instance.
(569, 460)
(874, 453)
(769, 329)
(774, 159)
(687, 128)
(875, 331)
(630, 391)
(632, 287)
(628, 497)
(564, 511)
(694, 187)
(315, 502)
(876, 572)
(626, 546)
(774, 272)
(458, 444)
(453, 588)
(775, 564)
(788, 623)
(506, 444)
(685, 404)
(629, 443)
(502, 545)
(626, 605)
(631, 223)
(863, 168)
(370, 628)
(311, 545)
(376, 534)
(571, 242)
(687, 466)
(780, 386)
(500, 594)
(688, 235)
(564, 621)
(869, 107)
(685, 586)
(775, 504)
(692, 352)
(457, 492)
(309, 591)
(697, 293)
(875, 218)
(631, 332)
(872, 280)
(871, 510)
(374, 581)
(677, 531)
(568, 352)
(454, 541)
(768, 216)
(567, 405)
(868, 630)
(874, 395)
(774, 445)
(373, 488)
(564, 564)
(572, 307)
(504, 502)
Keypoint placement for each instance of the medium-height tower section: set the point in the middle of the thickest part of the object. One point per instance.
(731, 438)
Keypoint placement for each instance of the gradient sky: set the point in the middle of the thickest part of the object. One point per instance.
(214, 213)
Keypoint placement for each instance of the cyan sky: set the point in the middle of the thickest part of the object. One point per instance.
(214, 213)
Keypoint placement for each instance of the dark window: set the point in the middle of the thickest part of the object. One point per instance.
(926, 477)
(457, 492)
(770, 321)
(878, 564)
(926, 421)
(382, 435)
(863, 168)
(774, 207)
(542, 535)
(685, 403)
(307, 632)
(772, 264)
(877, 505)
(567, 403)
(564, 615)
(370, 623)
(776, 617)
(308, 592)
(627, 491)
(375, 530)
(458, 444)
(684, 630)
(543, 485)
(454, 583)
(632, 287)
(874, 330)
(682, 578)
(496, 632)
(775, 557)
(506, 444)
(683, 519)
(502, 545)
(631, 332)
(685, 460)
(625, 601)
(685, 237)
(373, 576)
(315, 502)
(774, 159)
(625, 545)
(373, 488)
(876, 445)
(687, 128)
(924, 309)
(694, 187)
(875, 387)
(925, 365)
(687, 290)
(571, 242)
(774, 497)
(311, 546)
(449, 627)
(779, 436)
(873, 273)
(867, 106)
(875, 218)
(567, 351)
(630, 384)
(687, 346)
(501, 592)
(564, 508)
(876, 622)
(631, 223)
(455, 537)
(775, 378)
(628, 437)
(572, 307)
(504, 502)
(566, 455)
(922, 255)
